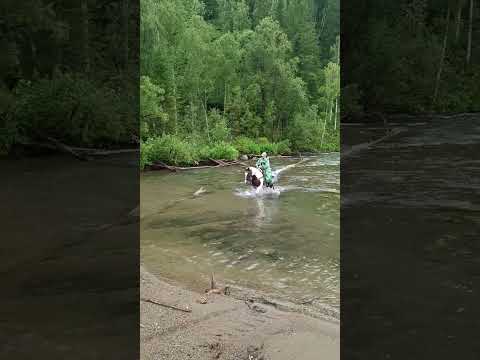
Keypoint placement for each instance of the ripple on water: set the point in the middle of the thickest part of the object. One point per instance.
(287, 244)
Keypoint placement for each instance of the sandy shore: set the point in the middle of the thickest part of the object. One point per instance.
(227, 328)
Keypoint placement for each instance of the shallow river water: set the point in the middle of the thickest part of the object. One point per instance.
(285, 242)
(410, 229)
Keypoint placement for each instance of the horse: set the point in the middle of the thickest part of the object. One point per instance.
(254, 177)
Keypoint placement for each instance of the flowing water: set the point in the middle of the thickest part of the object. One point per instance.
(285, 242)
(410, 229)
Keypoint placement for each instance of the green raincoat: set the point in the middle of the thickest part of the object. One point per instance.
(264, 165)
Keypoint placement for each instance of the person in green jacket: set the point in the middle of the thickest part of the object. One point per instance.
(264, 165)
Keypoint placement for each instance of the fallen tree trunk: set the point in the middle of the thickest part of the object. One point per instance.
(100, 152)
(218, 162)
(67, 149)
(159, 165)
(78, 152)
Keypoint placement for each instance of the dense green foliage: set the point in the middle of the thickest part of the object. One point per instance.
(176, 150)
(68, 72)
(224, 72)
(411, 56)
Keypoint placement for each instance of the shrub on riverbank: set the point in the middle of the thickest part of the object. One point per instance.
(249, 146)
(169, 149)
(330, 142)
(174, 150)
(220, 150)
(70, 108)
(178, 151)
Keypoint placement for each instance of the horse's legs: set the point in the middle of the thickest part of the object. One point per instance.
(259, 187)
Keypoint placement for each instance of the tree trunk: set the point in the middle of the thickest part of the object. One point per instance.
(442, 57)
(192, 115)
(335, 116)
(175, 120)
(338, 50)
(27, 55)
(225, 99)
(126, 18)
(330, 113)
(458, 21)
(324, 17)
(326, 109)
(206, 116)
(273, 7)
(325, 123)
(86, 36)
(470, 25)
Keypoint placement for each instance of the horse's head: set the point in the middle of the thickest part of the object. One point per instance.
(253, 176)
(248, 174)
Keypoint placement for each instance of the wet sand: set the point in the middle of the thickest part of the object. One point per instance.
(227, 328)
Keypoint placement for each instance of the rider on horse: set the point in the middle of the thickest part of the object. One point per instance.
(264, 165)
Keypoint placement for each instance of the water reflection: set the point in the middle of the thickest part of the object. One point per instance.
(260, 218)
(265, 214)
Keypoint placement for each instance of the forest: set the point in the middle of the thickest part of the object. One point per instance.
(221, 78)
(186, 79)
(410, 56)
(69, 73)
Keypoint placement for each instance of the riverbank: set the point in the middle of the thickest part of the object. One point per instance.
(226, 328)
(173, 150)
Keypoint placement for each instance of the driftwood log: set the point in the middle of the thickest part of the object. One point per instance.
(66, 149)
(80, 153)
(159, 165)
(173, 307)
(215, 163)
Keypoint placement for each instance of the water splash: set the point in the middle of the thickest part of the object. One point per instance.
(276, 173)
(266, 192)
(251, 193)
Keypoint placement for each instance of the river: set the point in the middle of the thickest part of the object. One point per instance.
(410, 228)
(284, 242)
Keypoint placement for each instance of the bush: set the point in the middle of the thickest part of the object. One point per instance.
(305, 135)
(223, 151)
(283, 147)
(246, 145)
(74, 109)
(269, 148)
(169, 149)
(173, 150)
(144, 155)
(153, 118)
(331, 141)
(9, 132)
(263, 141)
(220, 131)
